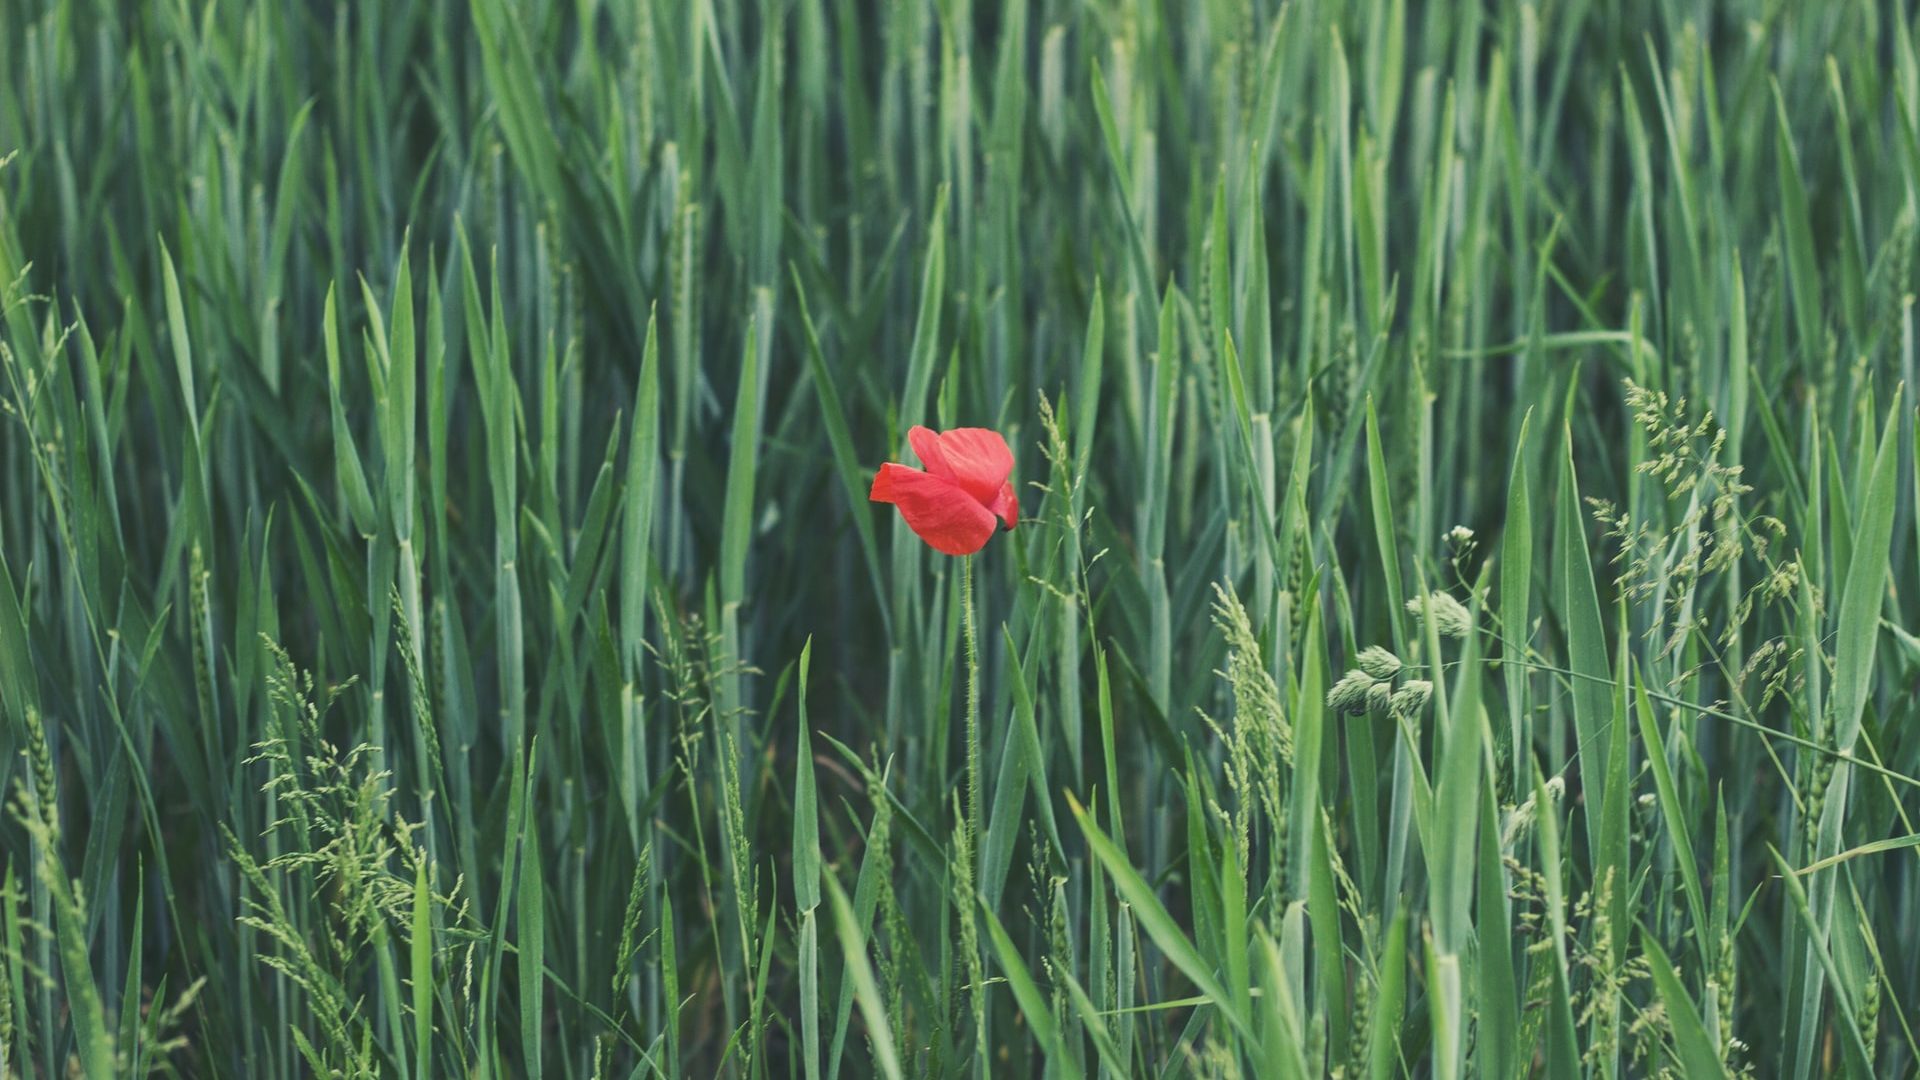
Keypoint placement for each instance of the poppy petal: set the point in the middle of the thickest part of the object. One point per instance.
(926, 446)
(949, 519)
(1006, 506)
(975, 458)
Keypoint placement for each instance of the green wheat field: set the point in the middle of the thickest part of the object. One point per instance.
(1463, 620)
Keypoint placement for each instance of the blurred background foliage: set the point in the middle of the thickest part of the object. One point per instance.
(434, 432)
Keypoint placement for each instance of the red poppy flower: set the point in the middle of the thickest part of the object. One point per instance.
(953, 504)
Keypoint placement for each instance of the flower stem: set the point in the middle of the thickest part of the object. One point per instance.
(973, 706)
(970, 845)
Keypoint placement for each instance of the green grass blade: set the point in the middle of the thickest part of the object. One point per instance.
(865, 989)
(1155, 919)
(1695, 1052)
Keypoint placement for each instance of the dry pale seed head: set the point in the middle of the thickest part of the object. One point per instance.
(1450, 616)
(1349, 695)
(1380, 697)
(1378, 662)
(1412, 697)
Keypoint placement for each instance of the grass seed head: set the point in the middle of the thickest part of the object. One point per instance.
(1378, 662)
(1349, 695)
(1411, 698)
(1450, 616)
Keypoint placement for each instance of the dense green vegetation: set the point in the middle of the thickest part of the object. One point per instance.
(1459, 623)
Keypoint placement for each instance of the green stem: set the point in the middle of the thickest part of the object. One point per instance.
(973, 706)
(1721, 714)
(976, 970)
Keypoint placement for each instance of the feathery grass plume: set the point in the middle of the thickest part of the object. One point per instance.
(422, 705)
(1612, 977)
(1450, 616)
(1260, 747)
(1256, 699)
(1046, 913)
(888, 950)
(1060, 963)
(681, 655)
(1669, 555)
(342, 833)
(302, 963)
(340, 843)
(630, 920)
(60, 903)
(744, 874)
